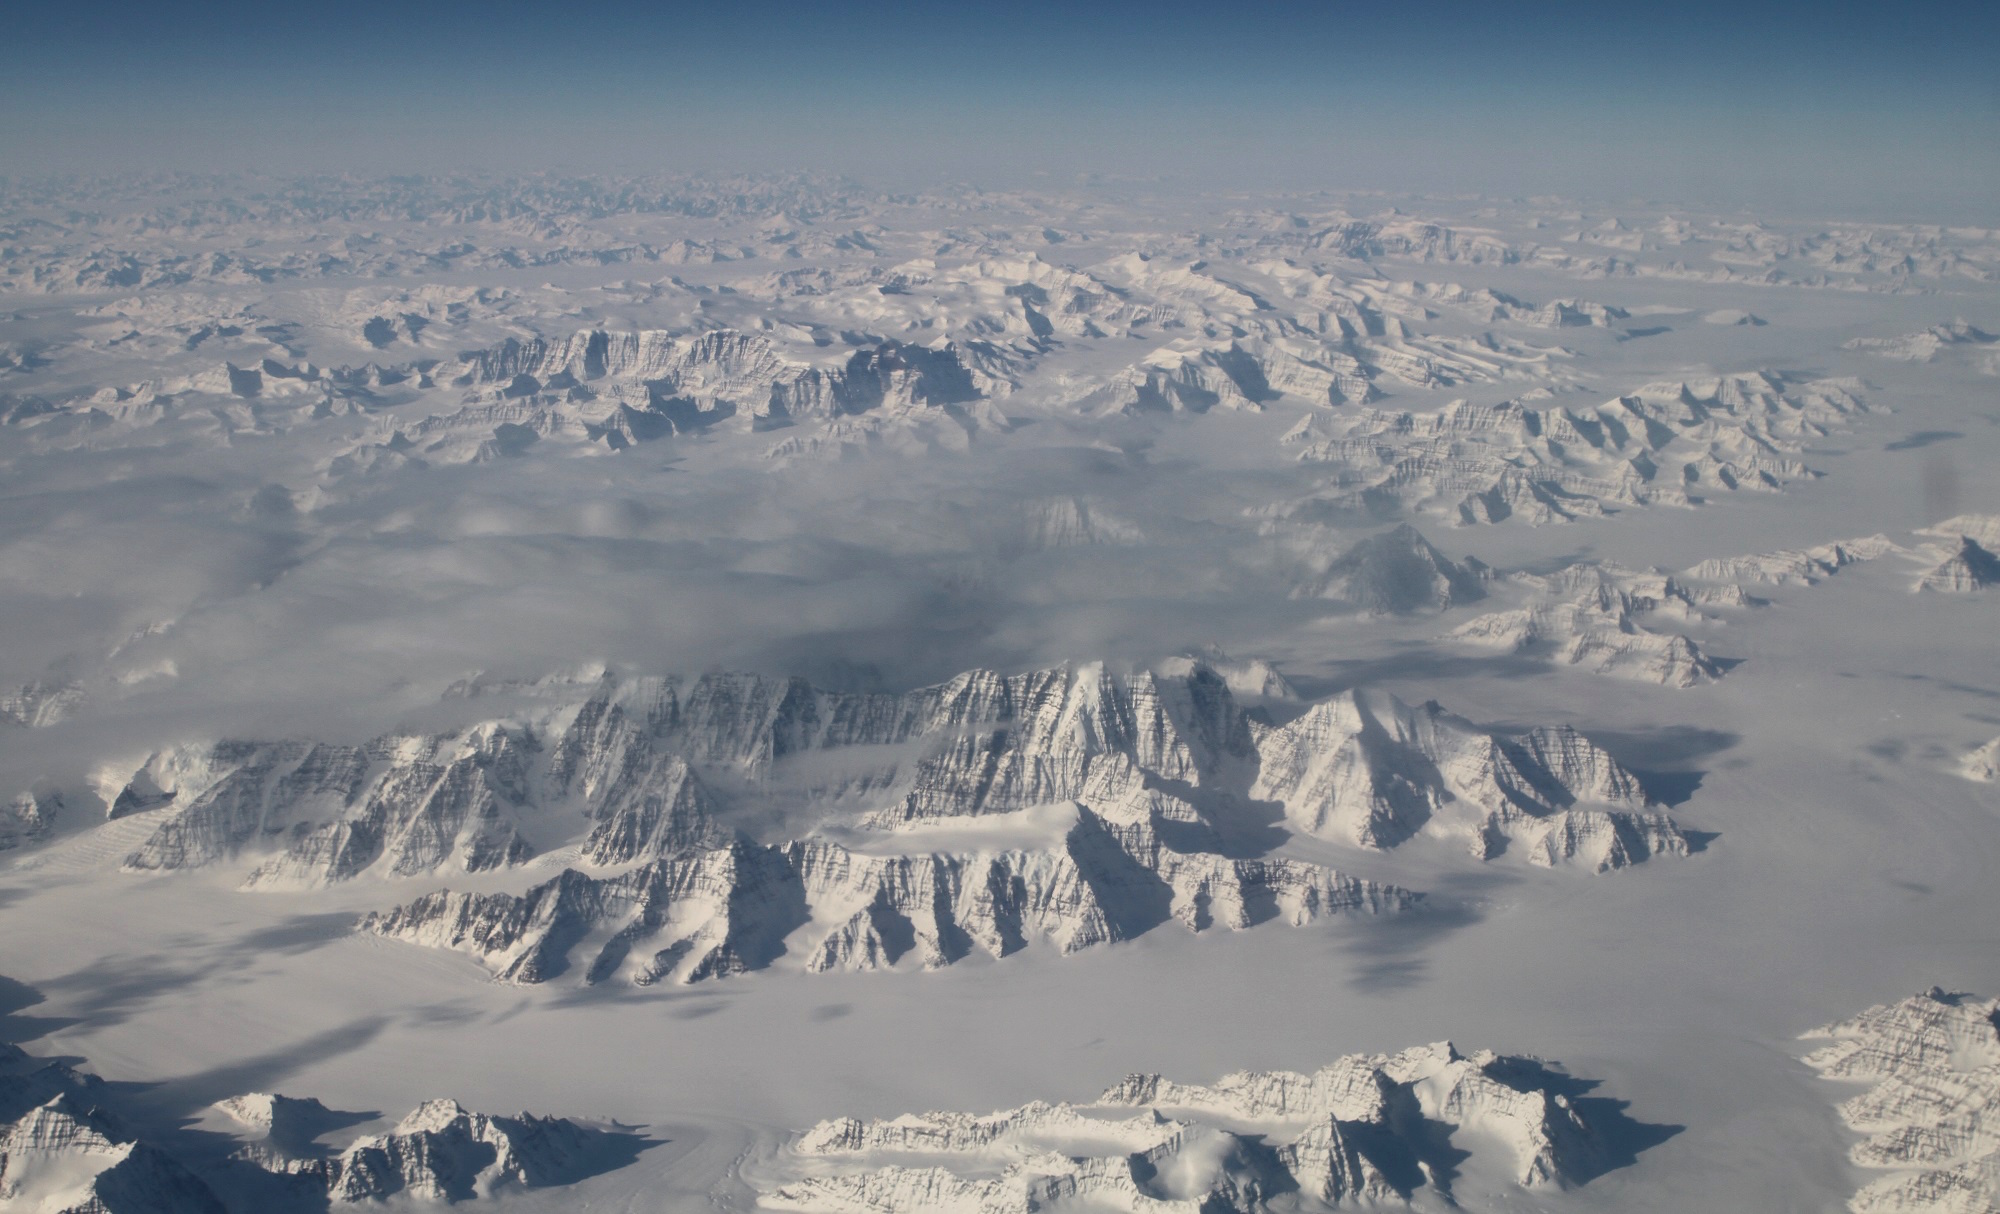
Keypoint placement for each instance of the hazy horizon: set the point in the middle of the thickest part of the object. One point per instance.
(1836, 110)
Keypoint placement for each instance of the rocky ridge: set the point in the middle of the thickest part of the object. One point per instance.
(1932, 1115)
(1607, 619)
(1365, 768)
(1925, 346)
(1982, 529)
(67, 1151)
(68, 1158)
(1363, 1130)
(1794, 566)
(1669, 443)
(1967, 569)
(63, 1152)
(441, 1152)
(638, 769)
(1135, 772)
(710, 914)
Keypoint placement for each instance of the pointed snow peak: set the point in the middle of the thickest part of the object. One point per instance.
(1971, 568)
(1398, 571)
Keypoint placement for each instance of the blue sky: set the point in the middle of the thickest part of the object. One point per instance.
(1831, 104)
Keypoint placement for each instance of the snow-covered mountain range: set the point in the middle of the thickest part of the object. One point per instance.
(1610, 588)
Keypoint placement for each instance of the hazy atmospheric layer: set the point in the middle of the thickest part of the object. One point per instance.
(840, 654)
(1823, 110)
